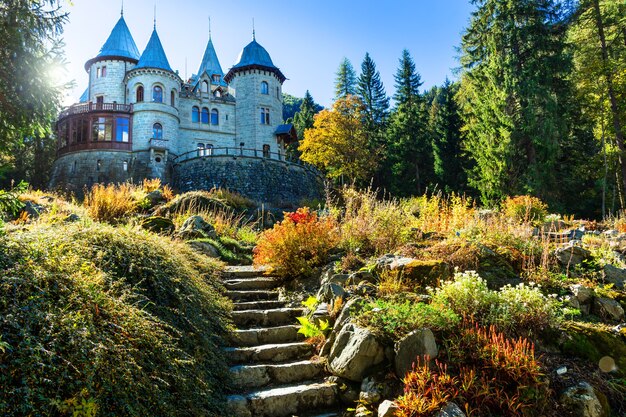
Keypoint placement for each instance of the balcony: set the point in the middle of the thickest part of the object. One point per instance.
(96, 107)
(158, 144)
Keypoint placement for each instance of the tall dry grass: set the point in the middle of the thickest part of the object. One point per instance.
(111, 203)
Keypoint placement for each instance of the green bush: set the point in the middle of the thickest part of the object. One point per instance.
(118, 319)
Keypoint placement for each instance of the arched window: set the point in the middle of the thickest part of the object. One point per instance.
(157, 94)
(200, 149)
(218, 93)
(173, 98)
(215, 117)
(205, 115)
(266, 151)
(265, 89)
(208, 151)
(205, 86)
(195, 114)
(157, 131)
(139, 94)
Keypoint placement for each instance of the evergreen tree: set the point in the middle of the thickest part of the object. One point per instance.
(304, 118)
(408, 82)
(444, 127)
(345, 81)
(514, 67)
(372, 92)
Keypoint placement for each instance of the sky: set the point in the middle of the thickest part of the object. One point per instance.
(306, 39)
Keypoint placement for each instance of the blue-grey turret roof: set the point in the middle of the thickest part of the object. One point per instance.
(210, 64)
(120, 43)
(154, 55)
(254, 56)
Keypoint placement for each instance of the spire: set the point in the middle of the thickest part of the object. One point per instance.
(209, 27)
(253, 31)
(210, 63)
(120, 42)
(154, 55)
(154, 16)
(122, 12)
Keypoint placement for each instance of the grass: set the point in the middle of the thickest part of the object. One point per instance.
(115, 318)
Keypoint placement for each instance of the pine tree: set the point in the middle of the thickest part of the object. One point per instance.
(408, 82)
(444, 128)
(304, 118)
(514, 67)
(371, 90)
(345, 81)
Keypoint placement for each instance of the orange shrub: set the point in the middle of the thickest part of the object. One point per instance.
(525, 209)
(495, 375)
(298, 244)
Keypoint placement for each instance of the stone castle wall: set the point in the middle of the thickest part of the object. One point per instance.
(264, 180)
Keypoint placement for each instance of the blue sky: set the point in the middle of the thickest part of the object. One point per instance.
(306, 39)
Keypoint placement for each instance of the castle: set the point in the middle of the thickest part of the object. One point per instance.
(138, 119)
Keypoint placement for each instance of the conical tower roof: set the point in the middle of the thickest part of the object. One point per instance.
(210, 63)
(254, 56)
(154, 55)
(120, 43)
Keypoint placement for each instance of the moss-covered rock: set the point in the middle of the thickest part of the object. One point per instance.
(193, 201)
(593, 342)
(158, 224)
(427, 273)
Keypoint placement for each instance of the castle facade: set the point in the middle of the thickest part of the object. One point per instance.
(138, 119)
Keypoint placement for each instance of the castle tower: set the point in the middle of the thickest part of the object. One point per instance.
(118, 55)
(154, 89)
(257, 84)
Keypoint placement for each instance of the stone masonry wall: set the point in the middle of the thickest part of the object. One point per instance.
(263, 180)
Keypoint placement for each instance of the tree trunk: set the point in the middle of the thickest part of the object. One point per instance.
(417, 178)
(619, 134)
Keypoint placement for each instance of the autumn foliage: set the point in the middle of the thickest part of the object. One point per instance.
(298, 244)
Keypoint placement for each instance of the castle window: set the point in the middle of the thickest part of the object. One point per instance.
(99, 102)
(195, 114)
(205, 86)
(98, 72)
(101, 129)
(157, 94)
(218, 93)
(121, 130)
(265, 116)
(125, 166)
(278, 93)
(208, 150)
(173, 98)
(215, 117)
(216, 78)
(200, 149)
(139, 94)
(265, 88)
(266, 151)
(103, 73)
(157, 131)
(205, 115)
(74, 167)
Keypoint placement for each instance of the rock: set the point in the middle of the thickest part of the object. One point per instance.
(571, 301)
(155, 197)
(582, 401)
(360, 276)
(195, 227)
(418, 343)
(158, 224)
(355, 353)
(362, 411)
(571, 255)
(387, 409)
(583, 294)
(372, 391)
(352, 306)
(450, 410)
(335, 279)
(205, 248)
(348, 390)
(329, 291)
(426, 273)
(614, 275)
(608, 309)
(32, 209)
(366, 289)
(71, 218)
(611, 233)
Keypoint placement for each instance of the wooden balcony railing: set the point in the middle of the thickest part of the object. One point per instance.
(82, 146)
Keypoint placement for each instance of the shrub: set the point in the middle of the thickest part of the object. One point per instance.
(9, 199)
(525, 209)
(111, 203)
(112, 317)
(396, 318)
(444, 215)
(296, 245)
(232, 199)
(492, 375)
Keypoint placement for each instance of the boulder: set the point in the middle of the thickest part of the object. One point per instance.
(365, 289)
(355, 353)
(582, 400)
(451, 410)
(352, 306)
(608, 309)
(195, 227)
(614, 275)
(571, 255)
(155, 197)
(583, 294)
(158, 224)
(360, 276)
(387, 409)
(418, 343)
(372, 390)
(32, 209)
(329, 291)
(205, 248)
(71, 218)
(426, 273)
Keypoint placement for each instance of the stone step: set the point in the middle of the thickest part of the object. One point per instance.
(246, 271)
(264, 336)
(284, 401)
(258, 305)
(328, 413)
(270, 353)
(256, 376)
(257, 283)
(273, 317)
(252, 295)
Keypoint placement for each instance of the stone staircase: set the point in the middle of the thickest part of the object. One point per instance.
(270, 362)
